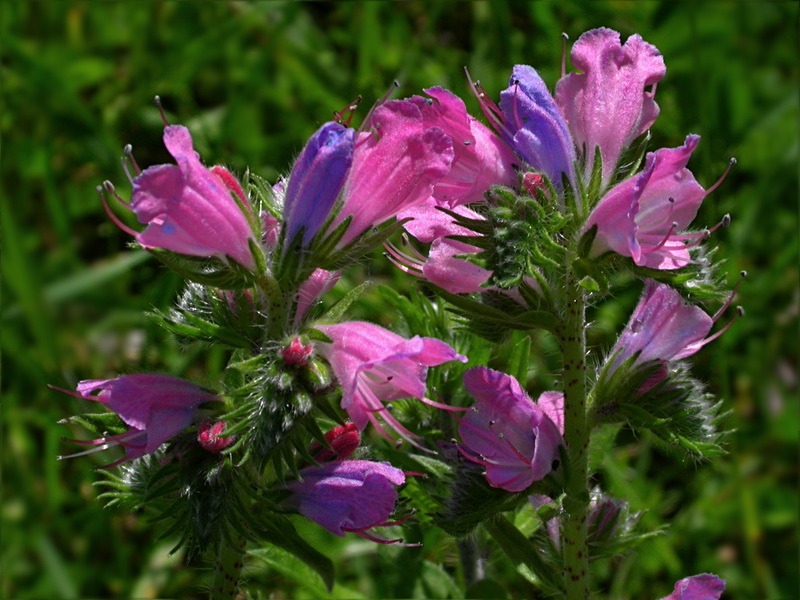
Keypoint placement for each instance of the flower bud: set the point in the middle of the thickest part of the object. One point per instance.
(210, 438)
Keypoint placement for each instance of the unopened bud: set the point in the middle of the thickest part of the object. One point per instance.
(296, 353)
(209, 437)
(344, 439)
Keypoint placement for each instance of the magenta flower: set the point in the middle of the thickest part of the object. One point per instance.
(664, 327)
(350, 496)
(515, 438)
(642, 216)
(157, 407)
(375, 366)
(397, 162)
(443, 266)
(187, 208)
(316, 180)
(698, 587)
(319, 283)
(608, 104)
(481, 159)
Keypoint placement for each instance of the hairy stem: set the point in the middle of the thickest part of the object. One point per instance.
(471, 562)
(227, 569)
(576, 437)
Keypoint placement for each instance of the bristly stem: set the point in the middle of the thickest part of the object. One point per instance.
(227, 569)
(576, 437)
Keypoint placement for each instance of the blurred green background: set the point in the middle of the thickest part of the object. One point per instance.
(253, 80)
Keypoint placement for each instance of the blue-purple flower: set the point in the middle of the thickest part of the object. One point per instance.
(317, 179)
(349, 496)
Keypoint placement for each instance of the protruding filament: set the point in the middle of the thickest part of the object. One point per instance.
(345, 116)
(731, 296)
(721, 179)
(111, 215)
(157, 101)
(564, 39)
(127, 156)
(368, 119)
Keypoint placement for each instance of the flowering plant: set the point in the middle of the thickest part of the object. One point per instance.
(513, 228)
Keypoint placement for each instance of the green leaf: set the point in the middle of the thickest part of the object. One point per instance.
(521, 552)
(279, 531)
(335, 313)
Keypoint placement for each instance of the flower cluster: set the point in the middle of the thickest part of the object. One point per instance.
(514, 224)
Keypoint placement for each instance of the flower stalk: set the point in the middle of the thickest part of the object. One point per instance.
(227, 569)
(572, 339)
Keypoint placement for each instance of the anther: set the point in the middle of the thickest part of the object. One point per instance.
(467, 143)
(726, 221)
(157, 101)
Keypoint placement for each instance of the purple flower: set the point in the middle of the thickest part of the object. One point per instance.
(397, 162)
(375, 366)
(316, 180)
(607, 104)
(642, 216)
(698, 587)
(349, 496)
(535, 127)
(187, 208)
(664, 327)
(515, 438)
(157, 407)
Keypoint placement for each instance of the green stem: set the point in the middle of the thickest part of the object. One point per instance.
(227, 569)
(576, 438)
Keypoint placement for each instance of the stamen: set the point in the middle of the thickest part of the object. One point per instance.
(127, 155)
(721, 179)
(349, 111)
(490, 110)
(86, 452)
(739, 313)
(157, 101)
(667, 237)
(564, 38)
(110, 214)
(731, 296)
(367, 120)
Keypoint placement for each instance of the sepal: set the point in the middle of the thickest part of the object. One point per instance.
(213, 272)
(212, 315)
(663, 399)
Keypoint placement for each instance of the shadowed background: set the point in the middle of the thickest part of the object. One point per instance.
(253, 80)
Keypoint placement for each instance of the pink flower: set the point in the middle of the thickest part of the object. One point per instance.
(396, 164)
(312, 289)
(350, 496)
(698, 587)
(515, 438)
(642, 216)
(442, 266)
(157, 407)
(664, 327)
(187, 208)
(481, 159)
(608, 104)
(375, 366)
